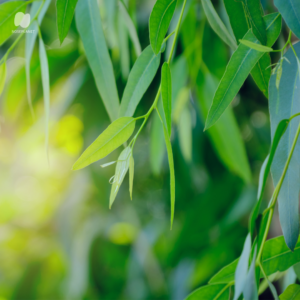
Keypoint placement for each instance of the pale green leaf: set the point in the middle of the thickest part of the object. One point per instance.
(166, 92)
(139, 80)
(210, 292)
(64, 11)
(159, 22)
(217, 24)
(88, 21)
(257, 47)
(8, 11)
(250, 291)
(131, 28)
(121, 170)
(185, 134)
(180, 102)
(291, 293)
(46, 86)
(110, 139)
(131, 175)
(3, 73)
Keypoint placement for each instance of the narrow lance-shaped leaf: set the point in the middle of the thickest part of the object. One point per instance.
(159, 22)
(283, 103)
(139, 80)
(121, 170)
(64, 11)
(88, 21)
(2, 77)
(11, 16)
(131, 174)
(212, 291)
(185, 134)
(237, 70)
(290, 10)
(131, 28)
(46, 86)
(250, 288)
(110, 139)
(242, 269)
(257, 47)
(291, 293)
(217, 24)
(166, 92)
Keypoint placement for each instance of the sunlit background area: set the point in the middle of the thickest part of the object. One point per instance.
(58, 237)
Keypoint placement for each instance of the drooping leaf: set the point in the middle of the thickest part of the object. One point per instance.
(110, 139)
(64, 11)
(8, 13)
(283, 103)
(290, 11)
(250, 288)
(217, 24)
(226, 274)
(291, 293)
(241, 63)
(131, 175)
(121, 170)
(139, 80)
(225, 135)
(2, 77)
(265, 170)
(212, 291)
(131, 28)
(46, 86)
(257, 47)
(159, 22)
(88, 21)
(180, 102)
(166, 92)
(185, 134)
(242, 269)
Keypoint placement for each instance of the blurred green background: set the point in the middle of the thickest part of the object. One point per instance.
(58, 238)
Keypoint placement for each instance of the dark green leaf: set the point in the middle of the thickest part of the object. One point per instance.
(291, 293)
(139, 80)
(110, 139)
(166, 92)
(64, 11)
(210, 292)
(89, 25)
(283, 103)
(159, 22)
(217, 24)
(290, 10)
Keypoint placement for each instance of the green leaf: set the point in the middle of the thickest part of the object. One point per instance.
(225, 136)
(290, 10)
(210, 292)
(88, 21)
(250, 288)
(291, 293)
(185, 134)
(131, 175)
(283, 103)
(110, 139)
(257, 47)
(64, 11)
(139, 80)
(159, 22)
(166, 92)
(3, 73)
(8, 12)
(217, 24)
(226, 274)
(241, 272)
(131, 28)
(180, 102)
(121, 170)
(46, 86)
(241, 63)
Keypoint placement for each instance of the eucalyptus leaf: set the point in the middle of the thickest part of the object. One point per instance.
(166, 92)
(110, 139)
(131, 175)
(3, 74)
(217, 24)
(290, 11)
(159, 22)
(257, 47)
(210, 292)
(180, 102)
(139, 80)
(88, 21)
(291, 293)
(185, 134)
(283, 103)
(64, 11)
(121, 170)
(250, 291)
(8, 11)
